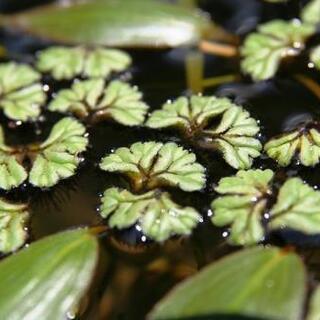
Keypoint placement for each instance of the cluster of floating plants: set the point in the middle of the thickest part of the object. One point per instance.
(248, 205)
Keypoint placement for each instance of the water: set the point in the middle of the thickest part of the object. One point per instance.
(133, 274)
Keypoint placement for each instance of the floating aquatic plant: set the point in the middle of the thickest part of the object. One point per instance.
(21, 93)
(244, 201)
(93, 100)
(242, 204)
(157, 215)
(303, 142)
(149, 166)
(234, 136)
(71, 62)
(154, 164)
(52, 160)
(13, 220)
(263, 51)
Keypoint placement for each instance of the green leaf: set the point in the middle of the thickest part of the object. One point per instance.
(311, 12)
(315, 57)
(242, 203)
(67, 63)
(21, 94)
(118, 100)
(266, 283)
(13, 220)
(46, 279)
(297, 207)
(152, 164)
(234, 136)
(303, 142)
(263, 51)
(157, 215)
(188, 116)
(314, 307)
(12, 173)
(116, 23)
(59, 155)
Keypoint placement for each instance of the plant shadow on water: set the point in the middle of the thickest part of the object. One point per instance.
(141, 273)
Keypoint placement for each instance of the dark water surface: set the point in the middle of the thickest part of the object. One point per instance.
(137, 273)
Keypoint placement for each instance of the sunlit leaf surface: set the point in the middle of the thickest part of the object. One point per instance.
(241, 203)
(154, 212)
(311, 12)
(59, 155)
(152, 164)
(262, 51)
(234, 135)
(315, 56)
(46, 279)
(303, 142)
(267, 283)
(21, 93)
(91, 98)
(70, 62)
(297, 207)
(13, 220)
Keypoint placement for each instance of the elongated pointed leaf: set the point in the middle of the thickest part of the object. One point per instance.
(242, 204)
(157, 215)
(263, 50)
(21, 94)
(13, 220)
(297, 207)
(68, 63)
(260, 282)
(59, 155)
(311, 12)
(116, 23)
(303, 142)
(118, 100)
(315, 57)
(46, 279)
(152, 164)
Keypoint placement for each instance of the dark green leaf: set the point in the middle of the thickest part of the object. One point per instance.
(120, 23)
(260, 282)
(46, 279)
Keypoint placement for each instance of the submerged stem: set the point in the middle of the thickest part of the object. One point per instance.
(194, 71)
(219, 49)
(214, 81)
(309, 83)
